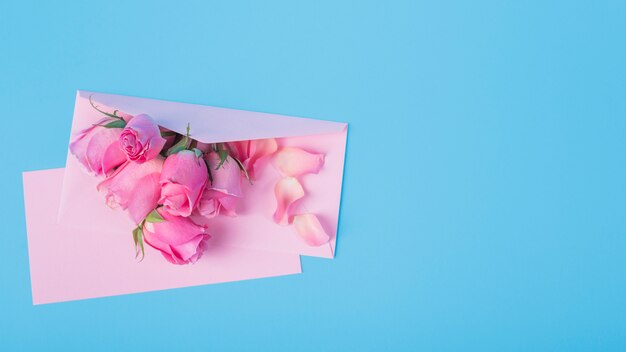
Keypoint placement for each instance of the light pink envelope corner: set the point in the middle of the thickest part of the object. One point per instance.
(82, 207)
(70, 263)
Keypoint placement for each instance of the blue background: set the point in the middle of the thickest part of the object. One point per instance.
(484, 198)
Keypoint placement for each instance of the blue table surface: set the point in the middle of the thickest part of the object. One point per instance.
(484, 197)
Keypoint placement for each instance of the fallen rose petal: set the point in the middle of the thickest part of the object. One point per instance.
(310, 229)
(287, 191)
(295, 161)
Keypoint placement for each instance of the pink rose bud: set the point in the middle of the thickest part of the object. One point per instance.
(134, 187)
(97, 148)
(220, 195)
(141, 139)
(179, 239)
(183, 179)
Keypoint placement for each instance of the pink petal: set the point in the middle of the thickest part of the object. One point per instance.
(287, 191)
(213, 203)
(176, 199)
(310, 229)
(179, 239)
(150, 141)
(144, 198)
(112, 158)
(78, 146)
(259, 148)
(228, 205)
(208, 207)
(295, 161)
(186, 169)
(203, 147)
(250, 152)
(227, 178)
(240, 149)
(94, 148)
(134, 187)
(188, 249)
(184, 175)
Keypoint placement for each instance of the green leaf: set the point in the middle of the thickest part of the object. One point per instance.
(223, 154)
(138, 238)
(242, 168)
(154, 216)
(143, 254)
(136, 232)
(198, 152)
(115, 124)
(181, 145)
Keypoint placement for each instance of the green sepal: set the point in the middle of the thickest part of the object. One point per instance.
(181, 145)
(223, 154)
(198, 152)
(154, 216)
(138, 239)
(115, 124)
(242, 168)
(136, 233)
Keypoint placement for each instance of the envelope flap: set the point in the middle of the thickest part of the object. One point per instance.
(212, 124)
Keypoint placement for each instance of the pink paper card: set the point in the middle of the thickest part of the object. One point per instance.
(71, 263)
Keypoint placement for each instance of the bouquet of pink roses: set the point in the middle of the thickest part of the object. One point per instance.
(167, 181)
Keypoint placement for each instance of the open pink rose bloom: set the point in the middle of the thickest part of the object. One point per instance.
(141, 139)
(179, 239)
(176, 189)
(183, 178)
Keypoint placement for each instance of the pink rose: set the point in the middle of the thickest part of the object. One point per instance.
(220, 195)
(180, 240)
(250, 152)
(183, 179)
(141, 139)
(134, 187)
(97, 148)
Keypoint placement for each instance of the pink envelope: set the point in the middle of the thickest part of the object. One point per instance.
(82, 208)
(76, 263)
